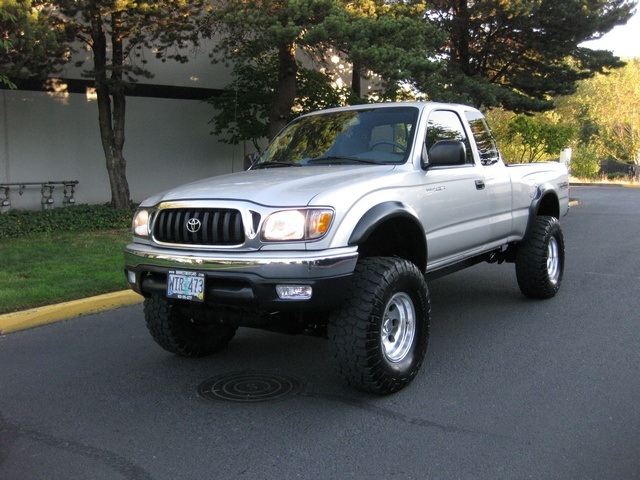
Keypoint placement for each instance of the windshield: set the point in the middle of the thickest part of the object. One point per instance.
(374, 136)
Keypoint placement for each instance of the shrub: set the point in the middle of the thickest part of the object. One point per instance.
(585, 163)
(19, 223)
(616, 176)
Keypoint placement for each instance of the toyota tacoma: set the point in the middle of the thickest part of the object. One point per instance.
(335, 230)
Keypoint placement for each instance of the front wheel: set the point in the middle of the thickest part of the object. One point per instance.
(184, 334)
(378, 338)
(540, 259)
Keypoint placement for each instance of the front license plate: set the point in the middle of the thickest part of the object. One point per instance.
(185, 285)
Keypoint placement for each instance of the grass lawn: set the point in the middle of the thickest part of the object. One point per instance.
(51, 268)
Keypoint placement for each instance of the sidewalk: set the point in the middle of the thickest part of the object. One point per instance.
(16, 321)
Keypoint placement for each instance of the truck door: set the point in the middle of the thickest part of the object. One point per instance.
(497, 179)
(455, 206)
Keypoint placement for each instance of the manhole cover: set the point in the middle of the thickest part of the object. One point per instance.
(250, 387)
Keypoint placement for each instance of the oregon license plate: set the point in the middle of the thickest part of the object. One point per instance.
(185, 285)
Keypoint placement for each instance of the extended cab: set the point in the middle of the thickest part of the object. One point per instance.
(336, 228)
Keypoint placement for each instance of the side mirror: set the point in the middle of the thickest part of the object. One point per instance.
(446, 153)
(249, 160)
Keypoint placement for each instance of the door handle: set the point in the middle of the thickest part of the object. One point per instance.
(479, 184)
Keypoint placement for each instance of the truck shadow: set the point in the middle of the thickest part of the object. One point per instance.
(473, 312)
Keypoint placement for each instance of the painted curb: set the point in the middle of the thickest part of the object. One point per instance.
(16, 321)
(620, 185)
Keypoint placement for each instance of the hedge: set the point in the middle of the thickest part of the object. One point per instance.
(21, 223)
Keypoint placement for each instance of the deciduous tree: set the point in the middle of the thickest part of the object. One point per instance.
(611, 105)
(606, 112)
(539, 137)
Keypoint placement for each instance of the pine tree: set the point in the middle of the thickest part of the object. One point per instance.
(116, 32)
(32, 44)
(519, 53)
(275, 46)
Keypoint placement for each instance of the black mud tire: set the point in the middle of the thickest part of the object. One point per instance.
(183, 334)
(540, 259)
(378, 338)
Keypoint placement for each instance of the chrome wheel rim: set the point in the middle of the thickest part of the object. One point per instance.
(398, 327)
(553, 260)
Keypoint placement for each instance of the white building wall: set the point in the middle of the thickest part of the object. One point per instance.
(55, 137)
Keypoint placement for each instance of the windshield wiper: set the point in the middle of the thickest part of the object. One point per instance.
(341, 160)
(274, 165)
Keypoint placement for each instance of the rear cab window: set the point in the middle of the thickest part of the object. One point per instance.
(485, 142)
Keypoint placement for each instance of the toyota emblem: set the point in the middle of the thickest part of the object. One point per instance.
(193, 225)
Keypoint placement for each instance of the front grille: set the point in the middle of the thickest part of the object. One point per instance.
(213, 226)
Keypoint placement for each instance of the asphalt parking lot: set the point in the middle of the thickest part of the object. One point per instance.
(511, 388)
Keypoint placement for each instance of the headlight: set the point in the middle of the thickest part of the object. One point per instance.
(140, 223)
(300, 224)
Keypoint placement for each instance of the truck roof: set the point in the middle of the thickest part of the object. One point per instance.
(416, 104)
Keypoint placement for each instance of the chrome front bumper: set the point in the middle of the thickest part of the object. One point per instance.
(247, 278)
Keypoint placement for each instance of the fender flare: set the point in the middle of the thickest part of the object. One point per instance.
(386, 211)
(544, 193)
(376, 216)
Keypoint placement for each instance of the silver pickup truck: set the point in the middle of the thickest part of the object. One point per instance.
(335, 229)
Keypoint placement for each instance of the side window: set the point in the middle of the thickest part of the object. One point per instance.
(483, 137)
(446, 125)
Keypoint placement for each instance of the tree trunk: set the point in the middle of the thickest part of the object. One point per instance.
(462, 38)
(120, 197)
(286, 92)
(111, 121)
(356, 84)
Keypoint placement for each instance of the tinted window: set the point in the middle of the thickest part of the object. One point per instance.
(483, 137)
(446, 125)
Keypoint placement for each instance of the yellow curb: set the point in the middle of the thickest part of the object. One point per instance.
(600, 184)
(13, 322)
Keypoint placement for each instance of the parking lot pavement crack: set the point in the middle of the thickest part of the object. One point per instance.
(400, 417)
(115, 462)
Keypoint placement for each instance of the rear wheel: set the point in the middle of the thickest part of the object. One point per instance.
(540, 259)
(184, 334)
(378, 338)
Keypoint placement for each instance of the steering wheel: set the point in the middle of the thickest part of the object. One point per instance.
(402, 148)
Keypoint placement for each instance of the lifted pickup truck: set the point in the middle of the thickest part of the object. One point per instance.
(335, 229)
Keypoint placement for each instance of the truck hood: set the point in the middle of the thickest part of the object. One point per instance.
(286, 186)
